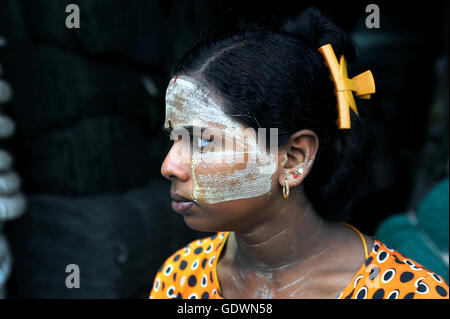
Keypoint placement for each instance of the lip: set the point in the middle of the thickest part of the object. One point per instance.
(181, 204)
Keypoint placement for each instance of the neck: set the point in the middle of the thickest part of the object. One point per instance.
(291, 235)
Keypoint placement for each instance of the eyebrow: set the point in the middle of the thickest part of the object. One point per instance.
(190, 129)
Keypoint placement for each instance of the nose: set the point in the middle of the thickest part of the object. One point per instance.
(177, 164)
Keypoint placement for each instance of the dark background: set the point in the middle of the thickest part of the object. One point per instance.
(88, 105)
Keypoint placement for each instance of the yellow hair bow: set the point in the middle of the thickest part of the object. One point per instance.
(363, 85)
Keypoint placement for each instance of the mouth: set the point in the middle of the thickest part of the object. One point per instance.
(181, 204)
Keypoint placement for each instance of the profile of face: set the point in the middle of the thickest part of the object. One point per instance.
(221, 172)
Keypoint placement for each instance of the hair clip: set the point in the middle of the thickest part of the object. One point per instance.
(363, 85)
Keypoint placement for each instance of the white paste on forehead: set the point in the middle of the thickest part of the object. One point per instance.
(198, 106)
(189, 105)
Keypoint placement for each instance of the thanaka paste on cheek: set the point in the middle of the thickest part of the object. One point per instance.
(217, 174)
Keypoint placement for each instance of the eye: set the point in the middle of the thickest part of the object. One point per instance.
(202, 142)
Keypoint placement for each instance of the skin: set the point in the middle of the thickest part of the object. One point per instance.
(233, 175)
(277, 247)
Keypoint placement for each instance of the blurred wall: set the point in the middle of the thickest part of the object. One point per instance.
(89, 104)
(88, 107)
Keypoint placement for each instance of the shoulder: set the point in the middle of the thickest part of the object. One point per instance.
(390, 275)
(190, 270)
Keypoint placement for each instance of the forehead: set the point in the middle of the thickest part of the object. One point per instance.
(189, 103)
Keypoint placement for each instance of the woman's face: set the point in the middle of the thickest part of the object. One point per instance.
(215, 161)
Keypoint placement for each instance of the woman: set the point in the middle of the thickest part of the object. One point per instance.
(276, 211)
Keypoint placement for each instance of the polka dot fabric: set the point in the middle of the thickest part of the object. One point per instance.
(386, 274)
(190, 273)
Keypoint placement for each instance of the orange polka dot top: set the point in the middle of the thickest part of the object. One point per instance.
(190, 273)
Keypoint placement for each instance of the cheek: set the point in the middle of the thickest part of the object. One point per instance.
(221, 182)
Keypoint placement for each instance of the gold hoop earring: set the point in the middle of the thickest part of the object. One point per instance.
(286, 190)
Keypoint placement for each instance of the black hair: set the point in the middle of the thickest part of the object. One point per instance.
(276, 78)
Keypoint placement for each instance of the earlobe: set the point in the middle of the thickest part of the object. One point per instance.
(292, 173)
(292, 177)
(298, 172)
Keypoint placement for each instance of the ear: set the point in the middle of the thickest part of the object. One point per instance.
(298, 157)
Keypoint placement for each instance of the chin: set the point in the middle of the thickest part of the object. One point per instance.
(222, 216)
(199, 224)
(202, 223)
